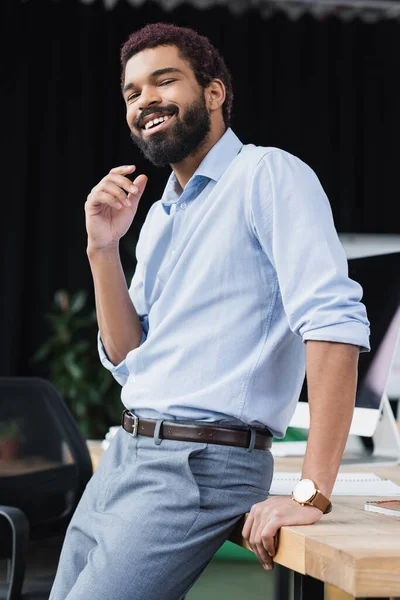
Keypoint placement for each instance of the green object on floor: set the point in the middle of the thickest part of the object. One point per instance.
(233, 580)
(231, 551)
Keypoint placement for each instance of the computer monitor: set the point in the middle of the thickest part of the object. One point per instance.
(379, 277)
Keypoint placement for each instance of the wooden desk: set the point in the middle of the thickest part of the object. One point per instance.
(96, 452)
(355, 551)
(22, 466)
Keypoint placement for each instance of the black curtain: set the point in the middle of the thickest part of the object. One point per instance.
(327, 91)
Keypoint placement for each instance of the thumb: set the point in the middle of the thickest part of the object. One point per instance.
(140, 182)
(249, 520)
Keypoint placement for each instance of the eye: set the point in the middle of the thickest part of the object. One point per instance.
(132, 97)
(167, 81)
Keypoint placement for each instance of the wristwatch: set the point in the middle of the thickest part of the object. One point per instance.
(306, 492)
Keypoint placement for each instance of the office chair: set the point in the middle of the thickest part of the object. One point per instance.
(44, 468)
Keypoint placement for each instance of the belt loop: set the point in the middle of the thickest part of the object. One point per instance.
(252, 443)
(157, 429)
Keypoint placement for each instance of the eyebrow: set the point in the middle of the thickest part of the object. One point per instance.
(154, 74)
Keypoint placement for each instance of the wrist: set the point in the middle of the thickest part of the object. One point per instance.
(93, 251)
(322, 486)
(307, 493)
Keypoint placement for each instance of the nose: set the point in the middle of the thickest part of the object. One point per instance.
(149, 96)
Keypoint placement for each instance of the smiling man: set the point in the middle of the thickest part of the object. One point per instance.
(240, 290)
(170, 133)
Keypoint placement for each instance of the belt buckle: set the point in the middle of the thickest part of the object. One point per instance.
(135, 418)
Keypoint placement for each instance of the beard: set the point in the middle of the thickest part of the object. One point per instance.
(178, 141)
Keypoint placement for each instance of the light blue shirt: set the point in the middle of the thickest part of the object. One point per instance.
(233, 275)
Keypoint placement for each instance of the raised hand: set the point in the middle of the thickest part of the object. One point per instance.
(111, 206)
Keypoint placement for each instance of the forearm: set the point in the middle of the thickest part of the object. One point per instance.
(331, 382)
(119, 325)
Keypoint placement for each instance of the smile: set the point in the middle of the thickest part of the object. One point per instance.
(157, 124)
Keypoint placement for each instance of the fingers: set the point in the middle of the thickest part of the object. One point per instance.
(248, 525)
(248, 532)
(262, 542)
(137, 189)
(123, 169)
(266, 539)
(117, 190)
(260, 530)
(107, 192)
(117, 175)
(265, 520)
(140, 182)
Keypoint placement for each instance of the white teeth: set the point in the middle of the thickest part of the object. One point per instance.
(156, 121)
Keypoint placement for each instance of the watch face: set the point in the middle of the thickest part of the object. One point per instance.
(304, 490)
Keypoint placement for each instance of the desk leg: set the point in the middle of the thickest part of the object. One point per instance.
(306, 587)
(282, 582)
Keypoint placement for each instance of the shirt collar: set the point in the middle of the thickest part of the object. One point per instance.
(213, 165)
(218, 159)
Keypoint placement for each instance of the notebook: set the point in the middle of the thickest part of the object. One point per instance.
(386, 507)
(347, 484)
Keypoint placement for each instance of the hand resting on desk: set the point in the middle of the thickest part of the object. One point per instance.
(267, 517)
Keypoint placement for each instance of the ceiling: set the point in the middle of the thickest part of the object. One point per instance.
(369, 11)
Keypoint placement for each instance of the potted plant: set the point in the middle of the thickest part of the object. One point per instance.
(9, 440)
(69, 359)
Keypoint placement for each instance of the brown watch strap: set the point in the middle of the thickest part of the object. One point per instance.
(321, 502)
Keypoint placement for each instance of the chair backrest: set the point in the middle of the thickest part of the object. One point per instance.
(44, 460)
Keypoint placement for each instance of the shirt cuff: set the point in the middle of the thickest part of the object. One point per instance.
(120, 372)
(352, 332)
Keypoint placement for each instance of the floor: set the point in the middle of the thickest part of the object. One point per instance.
(223, 578)
(233, 580)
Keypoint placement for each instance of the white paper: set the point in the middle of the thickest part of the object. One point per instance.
(347, 484)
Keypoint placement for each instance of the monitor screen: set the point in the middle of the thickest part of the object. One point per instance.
(379, 277)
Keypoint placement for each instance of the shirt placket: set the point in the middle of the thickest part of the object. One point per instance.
(179, 214)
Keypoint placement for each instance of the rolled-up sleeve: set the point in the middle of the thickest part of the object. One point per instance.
(293, 222)
(120, 372)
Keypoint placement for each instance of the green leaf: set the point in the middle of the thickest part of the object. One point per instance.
(93, 396)
(80, 409)
(70, 360)
(73, 369)
(78, 301)
(82, 346)
(42, 352)
(61, 300)
(82, 322)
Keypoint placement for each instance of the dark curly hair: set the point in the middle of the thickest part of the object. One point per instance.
(203, 57)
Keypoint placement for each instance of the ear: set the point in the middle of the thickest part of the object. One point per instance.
(215, 94)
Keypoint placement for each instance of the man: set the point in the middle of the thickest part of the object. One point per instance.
(241, 286)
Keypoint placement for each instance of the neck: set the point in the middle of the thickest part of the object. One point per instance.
(185, 169)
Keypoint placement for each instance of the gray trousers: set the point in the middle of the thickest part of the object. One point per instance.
(153, 515)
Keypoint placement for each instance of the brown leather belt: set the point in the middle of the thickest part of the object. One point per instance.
(193, 432)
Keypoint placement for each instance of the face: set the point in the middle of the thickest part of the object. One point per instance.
(166, 109)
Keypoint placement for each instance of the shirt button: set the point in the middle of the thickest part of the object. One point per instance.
(183, 205)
